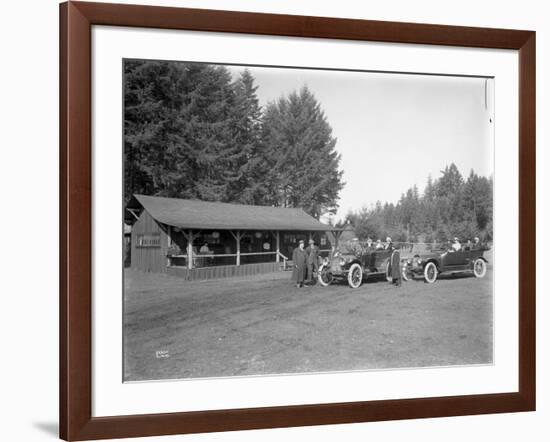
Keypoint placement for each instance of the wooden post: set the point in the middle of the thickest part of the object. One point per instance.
(278, 246)
(189, 237)
(238, 248)
(169, 243)
(237, 235)
(275, 235)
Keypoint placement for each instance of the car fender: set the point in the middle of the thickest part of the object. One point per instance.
(435, 261)
(347, 266)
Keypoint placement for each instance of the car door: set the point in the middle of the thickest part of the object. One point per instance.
(380, 261)
(454, 259)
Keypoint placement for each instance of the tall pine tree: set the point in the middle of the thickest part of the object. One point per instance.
(299, 150)
(179, 130)
(248, 186)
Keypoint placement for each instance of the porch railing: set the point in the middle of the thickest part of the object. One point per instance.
(213, 259)
(200, 260)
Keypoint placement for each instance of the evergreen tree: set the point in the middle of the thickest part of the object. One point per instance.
(179, 130)
(206, 133)
(149, 111)
(448, 207)
(299, 150)
(249, 187)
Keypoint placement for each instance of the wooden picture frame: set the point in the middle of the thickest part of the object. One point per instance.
(76, 21)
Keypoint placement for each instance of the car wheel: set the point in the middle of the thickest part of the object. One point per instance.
(355, 276)
(324, 276)
(430, 273)
(388, 272)
(480, 268)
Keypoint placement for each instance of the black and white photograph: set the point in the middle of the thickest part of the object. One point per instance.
(286, 220)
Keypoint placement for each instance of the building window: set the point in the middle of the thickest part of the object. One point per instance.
(152, 240)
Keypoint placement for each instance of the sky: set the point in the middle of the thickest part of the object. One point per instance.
(393, 130)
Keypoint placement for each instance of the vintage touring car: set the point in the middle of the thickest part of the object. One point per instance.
(444, 261)
(355, 266)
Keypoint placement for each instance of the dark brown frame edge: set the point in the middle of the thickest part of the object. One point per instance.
(76, 421)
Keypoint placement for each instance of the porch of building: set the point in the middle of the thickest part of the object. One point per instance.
(206, 240)
(210, 254)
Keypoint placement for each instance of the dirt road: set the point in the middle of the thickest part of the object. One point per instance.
(264, 325)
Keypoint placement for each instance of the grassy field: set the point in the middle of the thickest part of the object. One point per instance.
(265, 325)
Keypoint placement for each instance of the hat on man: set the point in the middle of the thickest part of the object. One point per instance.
(311, 241)
(388, 239)
(455, 239)
(301, 241)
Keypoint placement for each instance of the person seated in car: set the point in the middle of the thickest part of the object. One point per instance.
(379, 245)
(468, 245)
(369, 243)
(477, 244)
(389, 244)
(456, 246)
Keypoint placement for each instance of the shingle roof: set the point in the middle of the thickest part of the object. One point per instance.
(196, 214)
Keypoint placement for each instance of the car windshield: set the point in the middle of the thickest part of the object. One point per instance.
(352, 247)
(359, 248)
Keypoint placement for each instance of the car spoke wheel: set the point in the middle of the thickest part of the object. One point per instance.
(480, 268)
(430, 273)
(355, 276)
(324, 276)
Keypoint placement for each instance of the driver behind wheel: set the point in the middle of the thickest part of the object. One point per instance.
(456, 246)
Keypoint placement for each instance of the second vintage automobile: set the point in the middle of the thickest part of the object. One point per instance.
(354, 264)
(444, 261)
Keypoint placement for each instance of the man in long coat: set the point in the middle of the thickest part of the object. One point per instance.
(312, 252)
(299, 258)
(395, 263)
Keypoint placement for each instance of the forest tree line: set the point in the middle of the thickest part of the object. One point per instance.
(450, 206)
(192, 131)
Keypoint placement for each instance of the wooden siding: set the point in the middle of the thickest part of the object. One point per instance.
(148, 259)
(224, 271)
